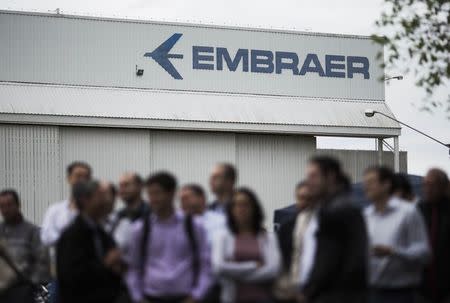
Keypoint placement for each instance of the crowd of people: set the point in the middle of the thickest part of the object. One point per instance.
(153, 250)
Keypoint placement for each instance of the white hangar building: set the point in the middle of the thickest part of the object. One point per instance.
(131, 95)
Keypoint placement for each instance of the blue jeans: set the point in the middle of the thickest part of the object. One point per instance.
(386, 295)
(53, 291)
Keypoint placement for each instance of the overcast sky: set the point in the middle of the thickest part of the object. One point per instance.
(345, 16)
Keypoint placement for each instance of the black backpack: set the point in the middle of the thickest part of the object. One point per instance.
(188, 227)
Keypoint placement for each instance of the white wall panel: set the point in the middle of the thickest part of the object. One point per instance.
(272, 165)
(191, 155)
(29, 163)
(110, 152)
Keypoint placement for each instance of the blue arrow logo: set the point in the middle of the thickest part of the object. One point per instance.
(161, 56)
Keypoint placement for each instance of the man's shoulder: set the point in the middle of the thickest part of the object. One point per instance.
(31, 226)
(56, 207)
(77, 228)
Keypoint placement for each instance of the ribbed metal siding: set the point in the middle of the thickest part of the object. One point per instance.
(191, 155)
(29, 163)
(110, 152)
(356, 161)
(272, 165)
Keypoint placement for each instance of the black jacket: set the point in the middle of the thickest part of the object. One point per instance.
(82, 277)
(340, 270)
(441, 253)
(286, 242)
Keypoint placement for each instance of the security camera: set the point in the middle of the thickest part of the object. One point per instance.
(369, 113)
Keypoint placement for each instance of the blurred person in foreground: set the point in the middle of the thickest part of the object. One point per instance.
(403, 188)
(290, 237)
(22, 244)
(245, 256)
(398, 240)
(435, 208)
(334, 261)
(59, 215)
(89, 264)
(222, 182)
(169, 259)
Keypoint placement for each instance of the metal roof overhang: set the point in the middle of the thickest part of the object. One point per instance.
(28, 103)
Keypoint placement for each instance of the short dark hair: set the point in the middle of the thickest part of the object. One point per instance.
(83, 190)
(230, 172)
(257, 210)
(138, 179)
(384, 174)
(112, 188)
(76, 164)
(329, 166)
(11, 192)
(441, 176)
(401, 183)
(164, 179)
(196, 189)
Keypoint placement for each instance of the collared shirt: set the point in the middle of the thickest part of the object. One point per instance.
(214, 223)
(23, 245)
(309, 249)
(301, 226)
(401, 227)
(168, 266)
(57, 217)
(120, 222)
(218, 206)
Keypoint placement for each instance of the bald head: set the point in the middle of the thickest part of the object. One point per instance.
(130, 187)
(223, 179)
(435, 185)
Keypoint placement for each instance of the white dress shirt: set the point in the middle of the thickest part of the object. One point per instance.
(57, 217)
(309, 249)
(401, 227)
(214, 223)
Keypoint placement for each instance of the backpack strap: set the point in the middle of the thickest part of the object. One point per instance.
(189, 227)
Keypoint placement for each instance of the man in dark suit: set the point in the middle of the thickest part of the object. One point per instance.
(286, 230)
(334, 265)
(88, 263)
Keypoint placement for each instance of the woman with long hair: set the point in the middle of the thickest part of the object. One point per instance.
(245, 257)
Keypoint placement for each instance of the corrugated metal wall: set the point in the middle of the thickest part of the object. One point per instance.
(29, 162)
(33, 159)
(110, 151)
(272, 165)
(356, 161)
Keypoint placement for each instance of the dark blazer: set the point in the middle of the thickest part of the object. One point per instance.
(441, 253)
(286, 242)
(82, 277)
(340, 270)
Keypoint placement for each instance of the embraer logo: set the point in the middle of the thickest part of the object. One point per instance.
(161, 56)
(263, 61)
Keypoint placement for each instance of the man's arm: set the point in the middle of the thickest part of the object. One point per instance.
(204, 280)
(49, 235)
(39, 263)
(417, 248)
(133, 277)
